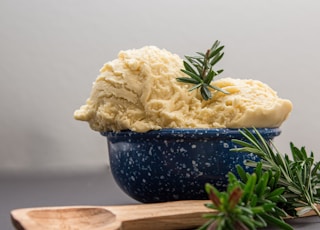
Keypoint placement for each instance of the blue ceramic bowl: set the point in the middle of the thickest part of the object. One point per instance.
(175, 164)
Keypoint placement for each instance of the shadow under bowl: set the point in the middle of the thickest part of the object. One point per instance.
(174, 164)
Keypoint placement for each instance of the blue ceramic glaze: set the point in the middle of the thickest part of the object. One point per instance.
(175, 164)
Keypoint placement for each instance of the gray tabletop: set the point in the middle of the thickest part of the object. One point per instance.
(63, 189)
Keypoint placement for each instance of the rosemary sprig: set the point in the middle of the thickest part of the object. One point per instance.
(247, 204)
(299, 175)
(201, 72)
(279, 186)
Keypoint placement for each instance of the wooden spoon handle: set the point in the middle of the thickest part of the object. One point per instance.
(167, 215)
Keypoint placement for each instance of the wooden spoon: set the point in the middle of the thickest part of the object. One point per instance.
(167, 215)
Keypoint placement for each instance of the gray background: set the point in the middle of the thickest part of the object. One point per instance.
(51, 52)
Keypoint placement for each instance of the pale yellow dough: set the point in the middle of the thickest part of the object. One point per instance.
(139, 91)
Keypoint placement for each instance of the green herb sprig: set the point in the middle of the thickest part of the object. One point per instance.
(201, 72)
(250, 203)
(300, 175)
(280, 186)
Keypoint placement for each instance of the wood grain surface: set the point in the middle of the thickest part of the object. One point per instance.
(167, 215)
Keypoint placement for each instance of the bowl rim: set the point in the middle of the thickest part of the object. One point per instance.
(191, 133)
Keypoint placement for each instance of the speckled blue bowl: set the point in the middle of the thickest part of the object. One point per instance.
(174, 164)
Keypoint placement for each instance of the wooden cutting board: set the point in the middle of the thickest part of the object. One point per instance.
(167, 215)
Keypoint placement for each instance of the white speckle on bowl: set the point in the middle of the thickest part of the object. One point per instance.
(150, 150)
(175, 196)
(182, 150)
